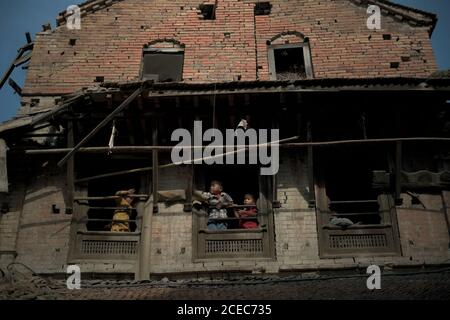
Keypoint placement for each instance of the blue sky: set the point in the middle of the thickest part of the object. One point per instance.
(20, 16)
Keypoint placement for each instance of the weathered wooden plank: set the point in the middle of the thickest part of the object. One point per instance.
(155, 163)
(3, 167)
(398, 171)
(70, 169)
(311, 183)
(56, 110)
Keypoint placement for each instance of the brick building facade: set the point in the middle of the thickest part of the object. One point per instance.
(370, 120)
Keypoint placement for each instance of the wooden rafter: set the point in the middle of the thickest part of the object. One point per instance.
(105, 121)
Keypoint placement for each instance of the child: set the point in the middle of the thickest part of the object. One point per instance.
(122, 216)
(249, 200)
(218, 201)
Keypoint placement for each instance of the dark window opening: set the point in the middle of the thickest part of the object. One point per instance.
(161, 66)
(208, 11)
(101, 212)
(263, 8)
(237, 181)
(290, 63)
(348, 177)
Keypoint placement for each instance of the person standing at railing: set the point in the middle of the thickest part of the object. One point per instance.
(248, 212)
(218, 202)
(122, 216)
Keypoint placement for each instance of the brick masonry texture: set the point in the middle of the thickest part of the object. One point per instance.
(424, 232)
(111, 40)
(43, 237)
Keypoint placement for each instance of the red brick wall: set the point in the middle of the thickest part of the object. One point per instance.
(111, 40)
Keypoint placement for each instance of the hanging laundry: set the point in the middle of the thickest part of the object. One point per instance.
(114, 133)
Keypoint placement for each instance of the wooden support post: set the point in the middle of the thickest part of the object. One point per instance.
(3, 167)
(398, 173)
(312, 197)
(150, 207)
(78, 223)
(155, 164)
(446, 210)
(275, 202)
(144, 266)
(105, 121)
(143, 122)
(189, 188)
(190, 182)
(70, 170)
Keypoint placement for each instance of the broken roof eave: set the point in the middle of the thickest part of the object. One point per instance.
(180, 89)
(308, 85)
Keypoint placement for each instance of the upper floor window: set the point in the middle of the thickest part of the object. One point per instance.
(163, 64)
(290, 61)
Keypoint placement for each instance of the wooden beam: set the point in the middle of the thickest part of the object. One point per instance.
(398, 172)
(4, 186)
(446, 210)
(362, 141)
(70, 169)
(10, 68)
(55, 110)
(148, 149)
(86, 198)
(17, 89)
(116, 150)
(143, 270)
(23, 59)
(114, 174)
(190, 179)
(155, 163)
(311, 184)
(122, 106)
(28, 37)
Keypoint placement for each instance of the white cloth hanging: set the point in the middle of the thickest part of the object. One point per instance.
(243, 124)
(111, 139)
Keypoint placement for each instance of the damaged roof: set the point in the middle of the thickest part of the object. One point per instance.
(439, 82)
(313, 84)
(400, 12)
